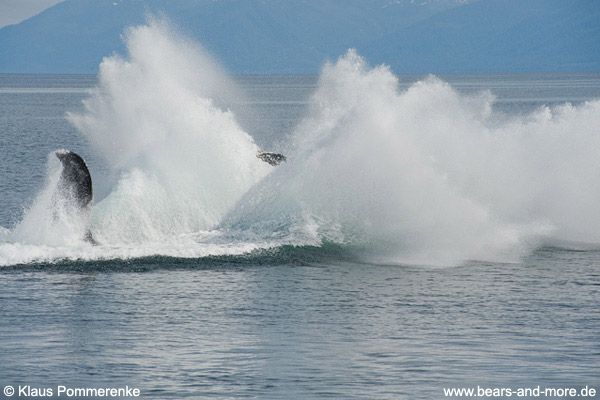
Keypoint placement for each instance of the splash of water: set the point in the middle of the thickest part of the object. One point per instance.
(54, 218)
(181, 161)
(424, 175)
(428, 175)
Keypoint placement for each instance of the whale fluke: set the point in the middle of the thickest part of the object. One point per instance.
(270, 157)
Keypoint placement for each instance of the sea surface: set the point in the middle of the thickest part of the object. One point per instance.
(274, 315)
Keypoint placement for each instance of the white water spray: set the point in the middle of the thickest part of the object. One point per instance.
(425, 175)
(181, 160)
(428, 175)
(54, 218)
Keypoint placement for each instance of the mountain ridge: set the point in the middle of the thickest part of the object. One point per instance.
(297, 37)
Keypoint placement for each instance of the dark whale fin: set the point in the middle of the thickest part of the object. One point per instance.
(75, 179)
(270, 157)
(75, 182)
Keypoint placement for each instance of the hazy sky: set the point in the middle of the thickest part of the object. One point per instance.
(15, 11)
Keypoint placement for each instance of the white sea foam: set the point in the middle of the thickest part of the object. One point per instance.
(424, 175)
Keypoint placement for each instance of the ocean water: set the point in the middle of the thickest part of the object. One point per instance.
(425, 232)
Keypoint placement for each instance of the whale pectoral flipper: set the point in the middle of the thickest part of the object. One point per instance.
(75, 183)
(75, 178)
(270, 157)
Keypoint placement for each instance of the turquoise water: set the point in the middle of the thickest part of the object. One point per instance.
(289, 320)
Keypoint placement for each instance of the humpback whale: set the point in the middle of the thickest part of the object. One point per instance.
(270, 157)
(75, 183)
(75, 179)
